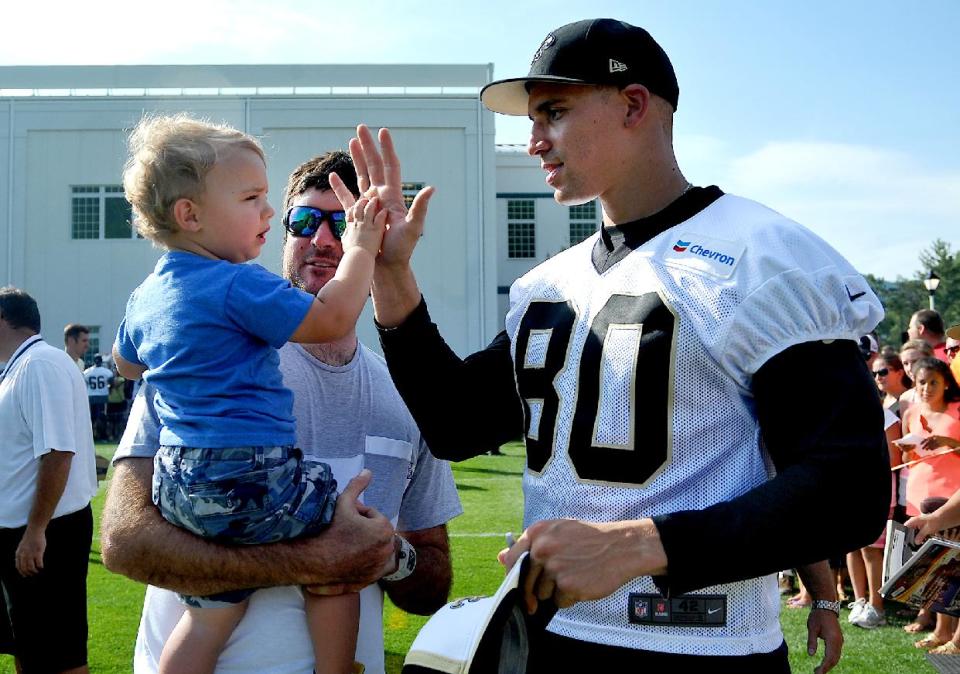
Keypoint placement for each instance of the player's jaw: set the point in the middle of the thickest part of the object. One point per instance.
(553, 169)
(569, 188)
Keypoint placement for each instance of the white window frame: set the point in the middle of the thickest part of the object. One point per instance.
(101, 193)
(579, 216)
(520, 227)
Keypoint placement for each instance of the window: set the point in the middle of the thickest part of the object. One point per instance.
(583, 221)
(410, 190)
(100, 212)
(521, 228)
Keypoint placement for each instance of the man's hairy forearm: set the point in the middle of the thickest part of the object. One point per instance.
(428, 587)
(137, 542)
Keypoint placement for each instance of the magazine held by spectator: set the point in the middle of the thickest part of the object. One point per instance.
(900, 546)
(930, 577)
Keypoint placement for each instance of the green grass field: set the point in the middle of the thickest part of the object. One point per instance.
(489, 487)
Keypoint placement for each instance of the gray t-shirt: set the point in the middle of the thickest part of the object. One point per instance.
(352, 418)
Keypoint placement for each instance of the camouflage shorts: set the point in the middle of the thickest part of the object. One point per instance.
(242, 495)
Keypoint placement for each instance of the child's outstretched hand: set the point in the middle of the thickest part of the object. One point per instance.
(366, 222)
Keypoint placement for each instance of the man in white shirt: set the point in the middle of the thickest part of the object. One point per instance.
(348, 415)
(47, 478)
(76, 341)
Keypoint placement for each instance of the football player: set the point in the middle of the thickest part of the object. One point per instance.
(649, 371)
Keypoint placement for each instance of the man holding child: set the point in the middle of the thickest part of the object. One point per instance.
(348, 415)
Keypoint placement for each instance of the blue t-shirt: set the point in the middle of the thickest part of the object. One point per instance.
(207, 332)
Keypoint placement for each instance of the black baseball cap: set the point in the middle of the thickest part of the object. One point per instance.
(594, 51)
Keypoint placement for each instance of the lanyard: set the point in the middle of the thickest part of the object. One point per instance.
(14, 359)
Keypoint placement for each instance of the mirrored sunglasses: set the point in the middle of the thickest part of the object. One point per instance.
(304, 221)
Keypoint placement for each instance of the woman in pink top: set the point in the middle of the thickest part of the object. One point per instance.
(935, 419)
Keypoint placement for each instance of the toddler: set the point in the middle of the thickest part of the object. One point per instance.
(203, 329)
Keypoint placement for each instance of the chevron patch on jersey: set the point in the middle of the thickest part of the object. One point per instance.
(704, 254)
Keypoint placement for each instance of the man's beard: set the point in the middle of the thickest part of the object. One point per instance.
(296, 280)
(291, 271)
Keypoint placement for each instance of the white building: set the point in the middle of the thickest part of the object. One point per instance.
(64, 225)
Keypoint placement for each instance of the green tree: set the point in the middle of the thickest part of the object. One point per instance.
(946, 264)
(902, 297)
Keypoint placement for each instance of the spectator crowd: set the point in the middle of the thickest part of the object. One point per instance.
(917, 381)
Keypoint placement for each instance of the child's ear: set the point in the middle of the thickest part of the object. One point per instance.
(186, 216)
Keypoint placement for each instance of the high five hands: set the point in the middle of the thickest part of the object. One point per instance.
(378, 177)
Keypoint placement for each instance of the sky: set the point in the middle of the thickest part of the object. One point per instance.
(841, 114)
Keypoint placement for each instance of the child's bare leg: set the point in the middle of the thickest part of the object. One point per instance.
(199, 637)
(333, 622)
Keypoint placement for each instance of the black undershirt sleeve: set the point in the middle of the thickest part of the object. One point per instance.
(464, 407)
(807, 512)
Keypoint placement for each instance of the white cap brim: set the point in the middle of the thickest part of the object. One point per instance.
(509, 97)
(451, 640)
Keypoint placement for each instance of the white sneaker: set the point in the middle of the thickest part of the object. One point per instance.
(856, 608)
(869, 618)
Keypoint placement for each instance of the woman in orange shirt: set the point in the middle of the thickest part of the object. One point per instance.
(933, 421)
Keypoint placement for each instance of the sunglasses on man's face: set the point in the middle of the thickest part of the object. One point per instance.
(881, 373)
(952, 350)
(304, 221)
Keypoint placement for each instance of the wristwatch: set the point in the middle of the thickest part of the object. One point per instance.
(826, 605)
(406, 561)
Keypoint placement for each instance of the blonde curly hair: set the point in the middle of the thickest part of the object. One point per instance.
(170, 157)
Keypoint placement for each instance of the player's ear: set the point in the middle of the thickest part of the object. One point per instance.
(186, 216)
(637, 99)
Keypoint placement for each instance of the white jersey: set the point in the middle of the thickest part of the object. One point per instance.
(636, 382)
(98, 381)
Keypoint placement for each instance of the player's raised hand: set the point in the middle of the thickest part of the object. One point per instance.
(378, 173)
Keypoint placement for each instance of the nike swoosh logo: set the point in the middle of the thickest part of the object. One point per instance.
(854, 297)
(711, 611)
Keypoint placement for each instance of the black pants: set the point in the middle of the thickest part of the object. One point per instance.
(48, 611)
(555, 654)
(6, 632)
